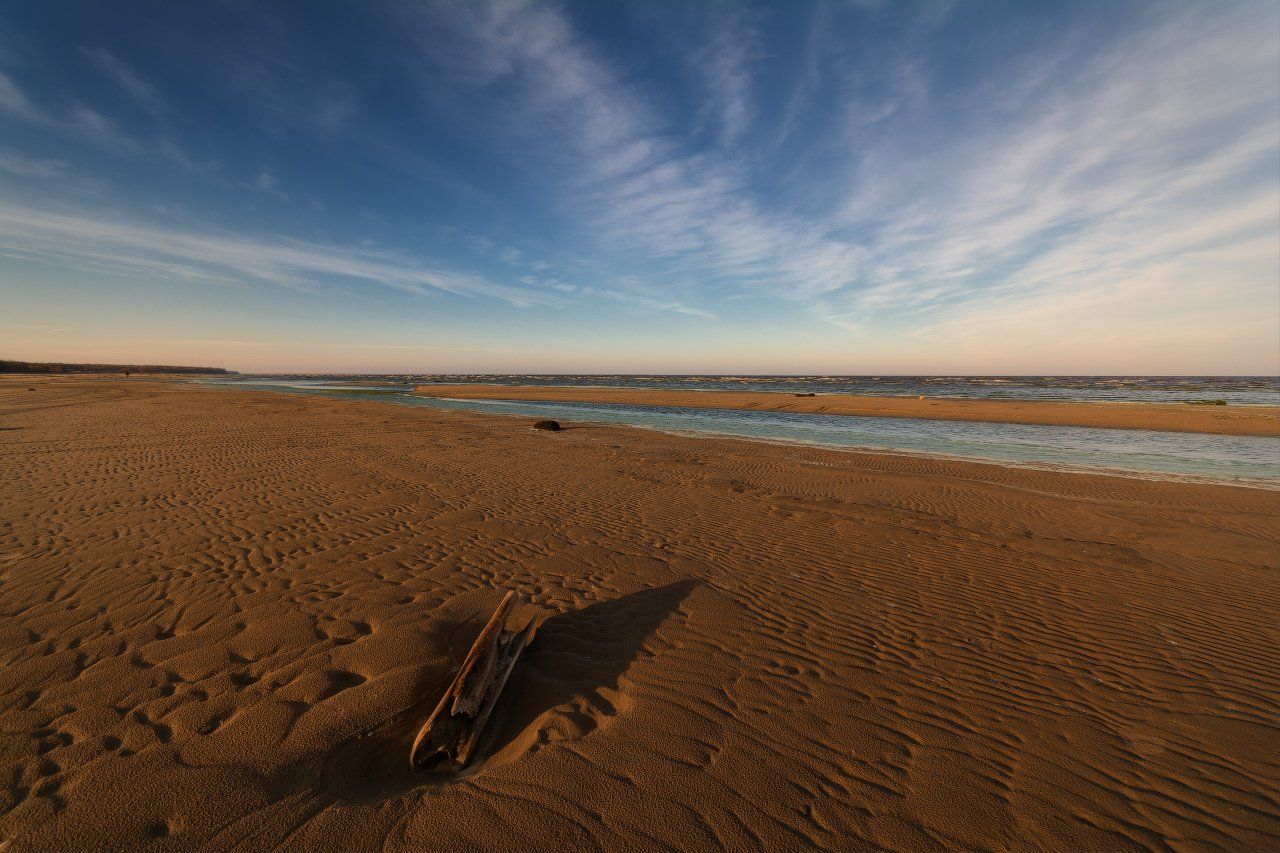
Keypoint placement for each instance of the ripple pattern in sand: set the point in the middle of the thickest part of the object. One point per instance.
(206, 600)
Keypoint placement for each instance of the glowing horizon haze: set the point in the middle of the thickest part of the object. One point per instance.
(820, 188)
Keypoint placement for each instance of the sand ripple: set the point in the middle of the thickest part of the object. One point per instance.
(224, 616)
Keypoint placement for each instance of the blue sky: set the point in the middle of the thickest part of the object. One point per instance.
(835, 187)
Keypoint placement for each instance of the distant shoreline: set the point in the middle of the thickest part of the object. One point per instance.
(1171, 417)
(56, 368)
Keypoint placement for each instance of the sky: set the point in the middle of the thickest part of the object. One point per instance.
(672, 187)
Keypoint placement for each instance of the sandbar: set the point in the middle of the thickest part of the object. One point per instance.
(1176, 417)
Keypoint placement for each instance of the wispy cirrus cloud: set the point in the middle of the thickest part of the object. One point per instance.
(626, 174)
(14, 102)
(1056, 184)
(76, 120)
(110, 244)
(289, 88)
(99, 129)
(638, 299)
(725, 62)
(1153, 151)
(127, 79)
(890, 178)
(31, 167)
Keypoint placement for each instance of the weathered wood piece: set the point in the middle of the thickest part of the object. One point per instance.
(449, 738)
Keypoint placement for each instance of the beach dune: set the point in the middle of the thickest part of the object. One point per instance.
(226, 613)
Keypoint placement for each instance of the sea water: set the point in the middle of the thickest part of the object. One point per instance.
(1215, 457)
(1238, 390)
(1233, 390)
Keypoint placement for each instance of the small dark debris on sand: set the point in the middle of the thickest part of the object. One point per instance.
(553, 426)
(810, 394)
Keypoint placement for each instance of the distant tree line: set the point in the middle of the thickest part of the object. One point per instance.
(62, 367)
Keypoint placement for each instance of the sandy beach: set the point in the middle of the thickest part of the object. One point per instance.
(226, 612)
(1219, 420)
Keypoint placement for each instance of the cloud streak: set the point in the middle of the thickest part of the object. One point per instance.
(890, 179)
(31, 167)
(128, 80)
(1054, 189)
(235, 258)
(631, 180)
(1157, 150)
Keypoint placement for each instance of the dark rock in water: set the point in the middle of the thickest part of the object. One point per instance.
(810, 394)
(554, 426)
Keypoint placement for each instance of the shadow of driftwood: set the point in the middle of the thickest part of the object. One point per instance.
(573, 656)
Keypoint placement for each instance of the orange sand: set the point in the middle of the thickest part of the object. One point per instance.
(225, 613)
(1222, 420)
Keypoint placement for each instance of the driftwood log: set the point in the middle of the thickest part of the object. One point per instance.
(448, 740)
